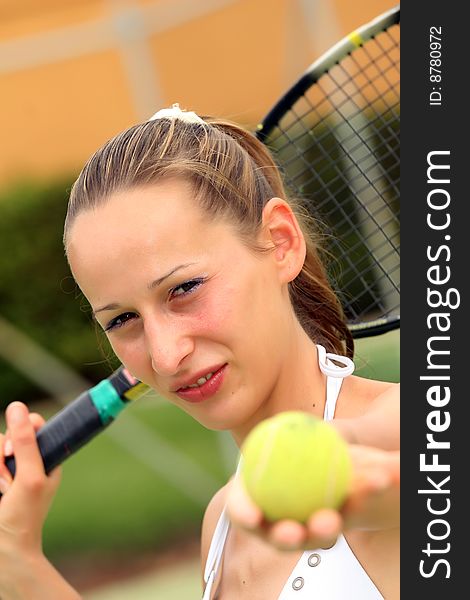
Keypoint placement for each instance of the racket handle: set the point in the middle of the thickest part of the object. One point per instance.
(82, 419)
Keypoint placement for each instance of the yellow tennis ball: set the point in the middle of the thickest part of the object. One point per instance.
(294, 464)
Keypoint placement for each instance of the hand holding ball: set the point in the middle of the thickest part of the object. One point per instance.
(294, 464)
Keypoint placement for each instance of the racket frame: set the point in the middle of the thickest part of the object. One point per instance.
(314, 72)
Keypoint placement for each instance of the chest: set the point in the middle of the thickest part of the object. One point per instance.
(253, 570)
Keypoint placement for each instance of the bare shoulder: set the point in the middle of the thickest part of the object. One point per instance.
(370, 412)
(359, 395)
(211, 516)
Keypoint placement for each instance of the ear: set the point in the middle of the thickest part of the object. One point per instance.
(282, 232)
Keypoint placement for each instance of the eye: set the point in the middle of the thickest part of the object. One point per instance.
(119, 321)
(186, 288)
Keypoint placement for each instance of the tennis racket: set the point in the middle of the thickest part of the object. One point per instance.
(82, 419)
(335, 137)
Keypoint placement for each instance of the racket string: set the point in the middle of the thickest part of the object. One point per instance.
(338, 147)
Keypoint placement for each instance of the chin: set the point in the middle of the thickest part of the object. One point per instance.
(213, 422)
(223, 421)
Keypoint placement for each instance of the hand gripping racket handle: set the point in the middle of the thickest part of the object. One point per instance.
(82, 419)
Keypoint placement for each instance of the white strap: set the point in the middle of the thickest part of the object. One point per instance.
(333, 387)
(208, 588)
(330, 369)
(216, 548)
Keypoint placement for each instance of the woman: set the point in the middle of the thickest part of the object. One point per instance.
(210, 289)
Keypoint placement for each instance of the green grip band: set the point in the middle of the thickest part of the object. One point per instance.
(107, 401)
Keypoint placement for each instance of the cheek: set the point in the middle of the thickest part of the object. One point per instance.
(132, 355)
(216, 313)
(238, 311)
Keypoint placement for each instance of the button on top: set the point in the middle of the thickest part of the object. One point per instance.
(314, 560)
(298, 583)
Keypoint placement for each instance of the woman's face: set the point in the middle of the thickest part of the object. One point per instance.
(187, 307)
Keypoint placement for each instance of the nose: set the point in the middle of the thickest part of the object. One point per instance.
(168, 345)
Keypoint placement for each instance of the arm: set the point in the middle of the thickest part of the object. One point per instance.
(24, 570)
(379, 426)
(373, 500)
(33, 577)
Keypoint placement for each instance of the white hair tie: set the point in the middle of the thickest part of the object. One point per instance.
(175, 112)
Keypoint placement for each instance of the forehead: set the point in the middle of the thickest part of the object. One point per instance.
(133, 215)
(152, 202)
(135, 226)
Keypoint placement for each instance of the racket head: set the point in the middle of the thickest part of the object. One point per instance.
(335, 138)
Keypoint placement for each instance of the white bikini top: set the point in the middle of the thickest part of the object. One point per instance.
(333, 574)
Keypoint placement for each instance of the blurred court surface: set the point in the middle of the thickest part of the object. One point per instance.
(180, 582)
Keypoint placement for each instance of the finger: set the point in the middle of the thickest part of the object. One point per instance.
(5, 474)
(324, 527)
(37, 421)
(4, 486)
(7, 445)
(241, 508)
(393, 464)
(368, 484)
(368, 462)
(23, 437)
(287, 534)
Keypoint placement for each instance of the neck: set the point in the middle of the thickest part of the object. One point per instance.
(300, 385)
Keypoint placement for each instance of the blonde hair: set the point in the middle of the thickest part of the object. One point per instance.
(233, 176)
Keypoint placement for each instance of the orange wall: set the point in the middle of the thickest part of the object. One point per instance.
(233, 61)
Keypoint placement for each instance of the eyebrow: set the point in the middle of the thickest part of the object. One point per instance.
(151, 286)
(159, 281)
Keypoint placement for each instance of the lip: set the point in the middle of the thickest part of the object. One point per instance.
(205, 391)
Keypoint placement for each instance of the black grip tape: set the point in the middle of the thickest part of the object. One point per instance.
(65, 432)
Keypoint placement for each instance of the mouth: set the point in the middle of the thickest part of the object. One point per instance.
(204, 387)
